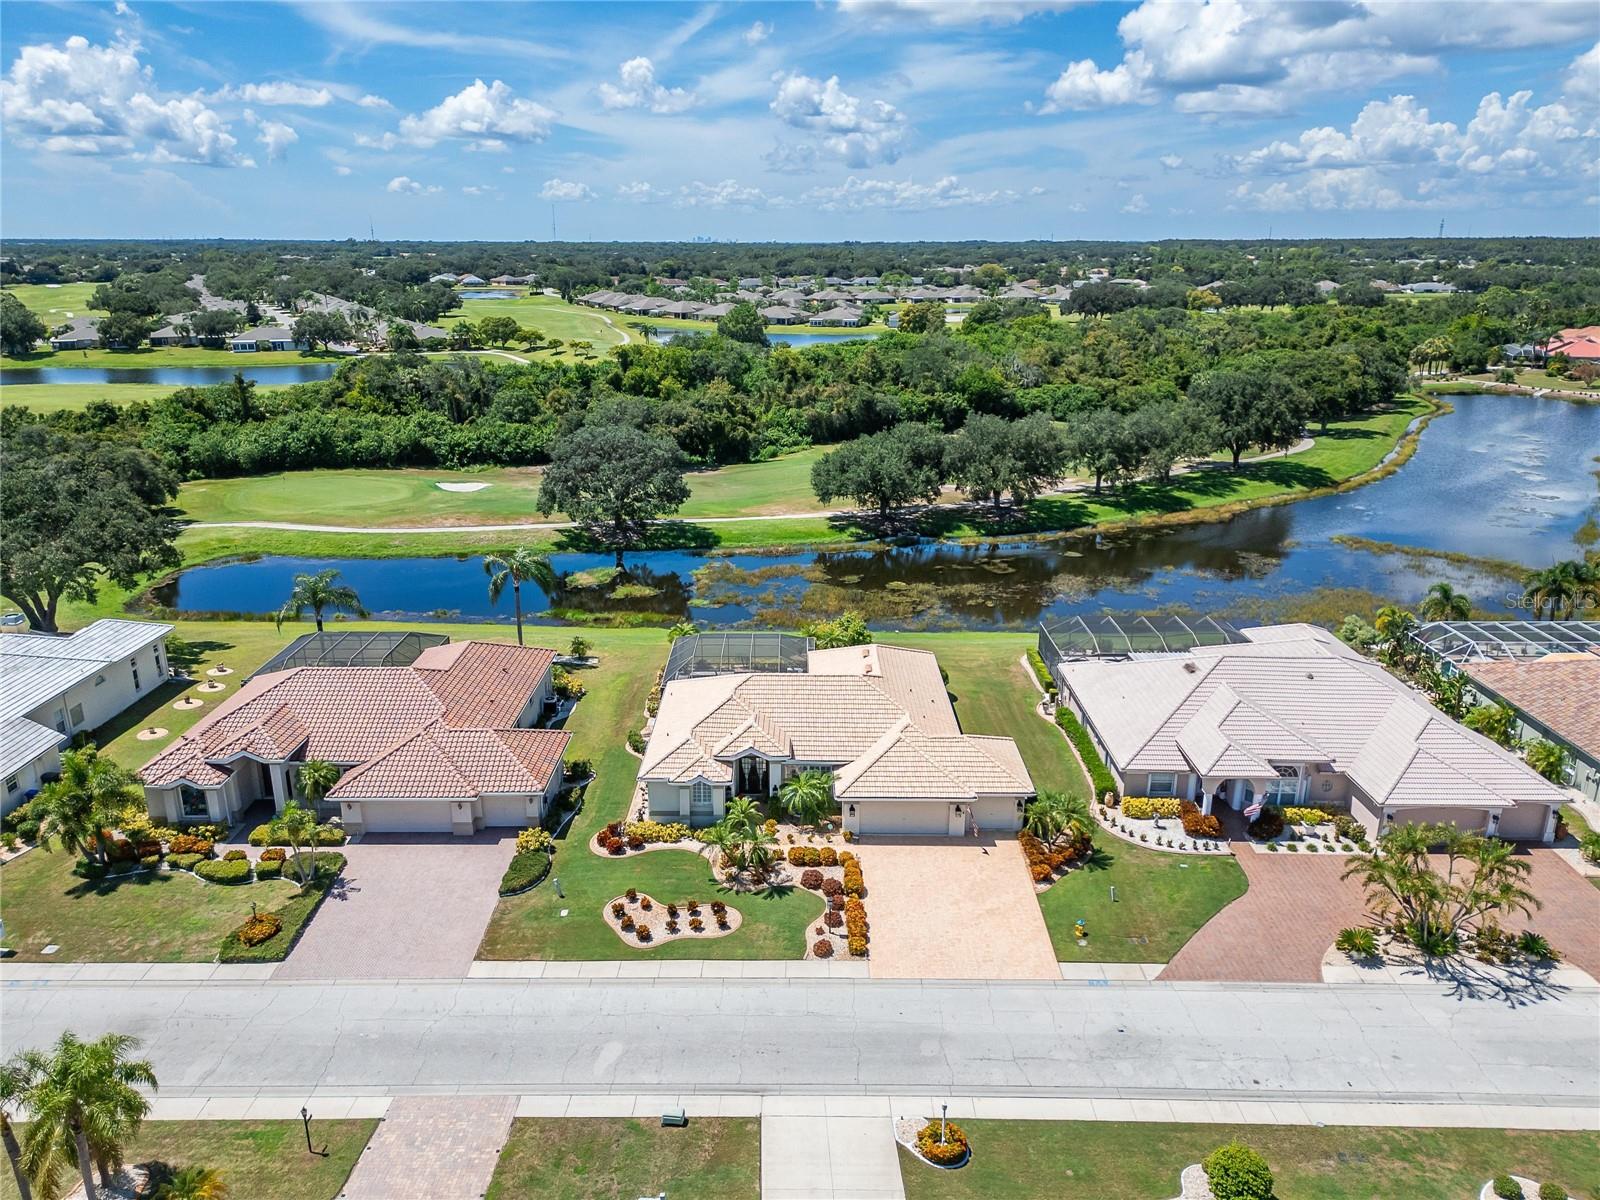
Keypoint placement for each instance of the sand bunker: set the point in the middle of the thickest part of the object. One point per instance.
(461, 487)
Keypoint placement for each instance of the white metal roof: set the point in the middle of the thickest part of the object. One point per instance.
(35, 668)
(22, 741)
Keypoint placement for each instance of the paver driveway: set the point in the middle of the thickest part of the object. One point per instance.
(408, 906)
(953, 908)
(438, 1147)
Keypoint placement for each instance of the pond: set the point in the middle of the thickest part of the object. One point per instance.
(269, 374)
(1502, 477)
(489, 294)
(662, 336)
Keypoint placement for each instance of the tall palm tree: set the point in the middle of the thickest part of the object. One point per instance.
(518, 567)
(87, 1099)
(17, 1076)
(808, 796)
(319, 593)
(88, 797)
(1444, 603)
(742, 814)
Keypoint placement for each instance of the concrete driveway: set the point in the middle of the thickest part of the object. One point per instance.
(408, 906)
(953, 908)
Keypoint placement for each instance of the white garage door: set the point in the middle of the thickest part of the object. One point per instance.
(905, 817)
(501, 811)
(998, 814)
(1524, 823)
(406, 816)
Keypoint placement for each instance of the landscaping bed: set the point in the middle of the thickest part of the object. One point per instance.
(836, 876)
(1298, 829)
(640, 919)
(256, 941)
(1164, 823)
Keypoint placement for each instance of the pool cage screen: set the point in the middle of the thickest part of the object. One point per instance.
(1470, 641)
(353, 649)
(1123, 636)
(734, 652)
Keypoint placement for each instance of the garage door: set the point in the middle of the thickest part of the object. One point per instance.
(999, 815)
(905, 817)
(501, 811)
(1524, 823)
(406, 816)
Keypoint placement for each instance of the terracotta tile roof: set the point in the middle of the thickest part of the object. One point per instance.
(879, 714)
(1560, 691)
(350, 715)
(458, 763)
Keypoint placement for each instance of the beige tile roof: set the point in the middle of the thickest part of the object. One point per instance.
(879, 714)
(1294, 698)
(351, 715)
(1560, 691)
(439, 763)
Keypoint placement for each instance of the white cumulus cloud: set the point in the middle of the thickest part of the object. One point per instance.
(279, 92)
(855, 194)
(275, 136)
(486, 116)
(565, 189)
(1136, 204)
(953, 12)
(861, 132)
(636, 87)
(406, 186)
(758, 32)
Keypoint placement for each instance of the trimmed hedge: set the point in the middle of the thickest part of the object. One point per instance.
(327, 835)
(1099, 776)
(1236, 1172)
(1042, 673)
(294, 913)
(226, 870)
(526, 870)
(269, 868)
(185, 862)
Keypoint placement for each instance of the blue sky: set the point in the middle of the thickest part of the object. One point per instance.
(868, 119)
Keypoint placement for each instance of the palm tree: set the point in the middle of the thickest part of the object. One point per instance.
(1555, 587)
(1054, 815)
(742, 815)
(1444, 603)
(88, 797)
(1395, 625)
(808, 796)
(316, 778)
(193, 1183)
(17, 1076)
(681, 629)
(319, 593)
(518, 567)
(1497, 722)
(297, 825)
(87, 1099)
(1548, 759)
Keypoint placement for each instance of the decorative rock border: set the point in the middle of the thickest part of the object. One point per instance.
(188, 703)
(1530, 1189)
(212, 685)
(1194, 1184)
(655, 918)
(1171, 829)
(151, 734)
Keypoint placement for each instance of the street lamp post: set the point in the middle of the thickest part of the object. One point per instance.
(305, 1118)
(944, 1111)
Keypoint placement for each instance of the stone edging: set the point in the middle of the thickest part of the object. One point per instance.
(905, 1134)
(657, 922)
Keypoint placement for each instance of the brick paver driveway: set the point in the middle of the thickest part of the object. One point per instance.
(408, 906)
(1570, 917)
(1280, 928)
(440, 1147)
(953, 908)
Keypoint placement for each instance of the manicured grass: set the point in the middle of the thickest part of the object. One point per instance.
(62, 397)
(258, 1160)
(149, 916)
(166, 356)
(593, 1159)
(1022, 1160)
(1162, 899)
(530, 926)
(56, 304)
(552, 317)
(413, 497)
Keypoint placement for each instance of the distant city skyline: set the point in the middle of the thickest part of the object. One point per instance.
(856, 119)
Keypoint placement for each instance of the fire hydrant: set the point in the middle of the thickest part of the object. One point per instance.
(1080, 928)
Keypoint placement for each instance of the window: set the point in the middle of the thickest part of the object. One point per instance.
(160, 669)
(1285, 789)
(12, 784)
(194, 802)
(77, 715)
(135, 667)
(1163, 784)
(99, 679)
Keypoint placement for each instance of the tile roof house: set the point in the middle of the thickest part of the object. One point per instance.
(52, 687)
(1293, 716)
(1582, 343)
(80, 333)
(878, 717)
(1557, 699)
(442, 745)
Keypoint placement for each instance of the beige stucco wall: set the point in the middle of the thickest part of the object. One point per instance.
(1526, 823)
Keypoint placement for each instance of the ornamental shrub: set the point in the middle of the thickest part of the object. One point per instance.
(655, 832)
(1042, 673)
(853, 883)
(1079, 736)
(579, 768)
(185, 862)
(696, 924)
(1237, 1172)
(823, 948)
(259, 928)
(1507, 1188)
(833, 920)
(1268, 824)
(1358, 943)
(1297, 815)
(1197, 823)
(857, 947)
(614, 846)
(223, 871)
(234, 856)
(829, 856)
(259, 836)
(830, 887)
(150, 861)
(1349, 829)
(526, 868)
(635, 741)
(269, 868)
(187, 843)
(274, 854)
(1143, 808)
(534, 839)
(811, 878)
(952, 1150)
(1552, 1191)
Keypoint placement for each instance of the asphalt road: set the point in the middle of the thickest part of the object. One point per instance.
(1315, 1042)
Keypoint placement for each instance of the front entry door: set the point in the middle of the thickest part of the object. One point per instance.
(753, 776)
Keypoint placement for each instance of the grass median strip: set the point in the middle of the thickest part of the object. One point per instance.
(622, 1159)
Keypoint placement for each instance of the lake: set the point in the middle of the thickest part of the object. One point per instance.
(489, 294)
(662, 336)
(271, 374)
(1503, 477)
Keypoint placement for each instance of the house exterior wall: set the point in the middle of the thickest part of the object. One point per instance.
(1527, 823)
(998, 814)
(106, 693)
(224, 803)
(670, 802)
(28, 778)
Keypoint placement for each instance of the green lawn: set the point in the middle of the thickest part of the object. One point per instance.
(56, 304)
(150, 916)
(552, 317)
(1023, 1160)
(258, 1160)
(413, 497)
(594, 1159)
(165, 356)
(61, 397)
(530, 926)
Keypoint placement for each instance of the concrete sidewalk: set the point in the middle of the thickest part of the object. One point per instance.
(829, 1158)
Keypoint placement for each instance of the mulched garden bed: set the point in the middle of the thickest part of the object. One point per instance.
(644, 922)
